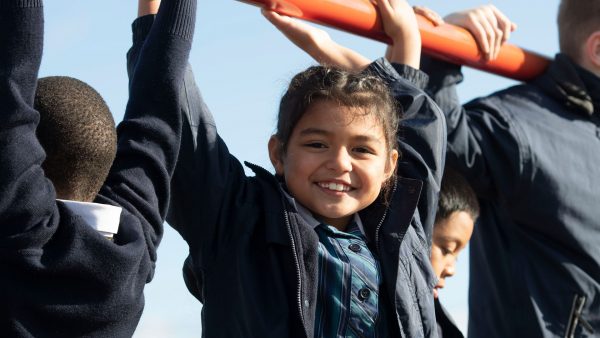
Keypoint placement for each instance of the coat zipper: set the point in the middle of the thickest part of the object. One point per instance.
(296, 260)
(377, 232)
(377, 246)
(297, 263)
(575, 317)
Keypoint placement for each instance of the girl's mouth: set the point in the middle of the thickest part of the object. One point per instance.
(339, 187)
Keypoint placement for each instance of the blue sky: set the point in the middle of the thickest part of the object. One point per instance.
(242, 65)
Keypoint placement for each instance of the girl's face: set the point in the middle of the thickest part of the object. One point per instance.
(336, 161)
(450, 236)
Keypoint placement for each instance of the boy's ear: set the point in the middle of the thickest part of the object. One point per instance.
(592, 50)
(276, 154)
(391, 165)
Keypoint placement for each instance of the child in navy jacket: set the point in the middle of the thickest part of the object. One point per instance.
(60, 277)
(254, 260)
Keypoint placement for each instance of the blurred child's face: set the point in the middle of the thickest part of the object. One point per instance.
(335, 162)
(450, 236)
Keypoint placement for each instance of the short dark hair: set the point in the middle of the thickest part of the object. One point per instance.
(77, 132)
(363, 91)
(456, 195)
(577, 19)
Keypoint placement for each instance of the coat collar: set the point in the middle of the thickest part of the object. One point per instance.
(569, 83)
(398, 214)
(405, 198)
(275, 205)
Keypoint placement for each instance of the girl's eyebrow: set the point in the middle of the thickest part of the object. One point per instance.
(311, 131)
(323, 132)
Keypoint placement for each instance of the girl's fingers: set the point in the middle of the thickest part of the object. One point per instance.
(273, 17)
(385, 8)
(429, 14)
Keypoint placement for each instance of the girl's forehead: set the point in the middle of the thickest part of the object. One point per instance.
(339, 114)
(339, 121)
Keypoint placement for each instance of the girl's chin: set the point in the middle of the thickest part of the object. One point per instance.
(435, 293)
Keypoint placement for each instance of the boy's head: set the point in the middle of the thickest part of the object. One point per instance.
(78, 134)
(579, 30)
(457, 211)
(335, 143)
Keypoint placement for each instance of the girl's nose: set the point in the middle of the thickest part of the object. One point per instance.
(340, 161)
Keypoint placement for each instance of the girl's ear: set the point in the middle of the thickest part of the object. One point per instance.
(391, 164)
(275, 154)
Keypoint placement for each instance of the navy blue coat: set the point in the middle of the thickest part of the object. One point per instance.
(532, 154)
(253, 261)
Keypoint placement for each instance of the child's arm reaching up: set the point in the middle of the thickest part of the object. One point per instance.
(399, 24)
(150, 134)
(317, 43)
(27, 200)
(148, 7)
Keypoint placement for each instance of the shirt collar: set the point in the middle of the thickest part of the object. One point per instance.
(102, 217)
(308, 217)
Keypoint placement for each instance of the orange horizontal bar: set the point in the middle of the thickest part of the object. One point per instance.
(446, 42)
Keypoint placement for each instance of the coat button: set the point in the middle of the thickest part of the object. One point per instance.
(364, 293)
(354, 247)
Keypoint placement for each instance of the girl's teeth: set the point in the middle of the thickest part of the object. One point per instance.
(334, 186)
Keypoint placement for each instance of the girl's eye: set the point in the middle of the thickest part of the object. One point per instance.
(317, 145)
(363, 150)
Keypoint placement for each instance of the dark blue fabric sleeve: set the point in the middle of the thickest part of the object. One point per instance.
(149, 136)
(207, 179)
(421, 136)
(484, 143)
(27, 205)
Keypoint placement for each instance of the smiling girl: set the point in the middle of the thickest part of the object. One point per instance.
(337, 242)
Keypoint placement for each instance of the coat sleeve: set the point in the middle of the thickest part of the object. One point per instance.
(208, 181)
(150, 134)
(27, 206)
(421, 135)
(484, 142)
